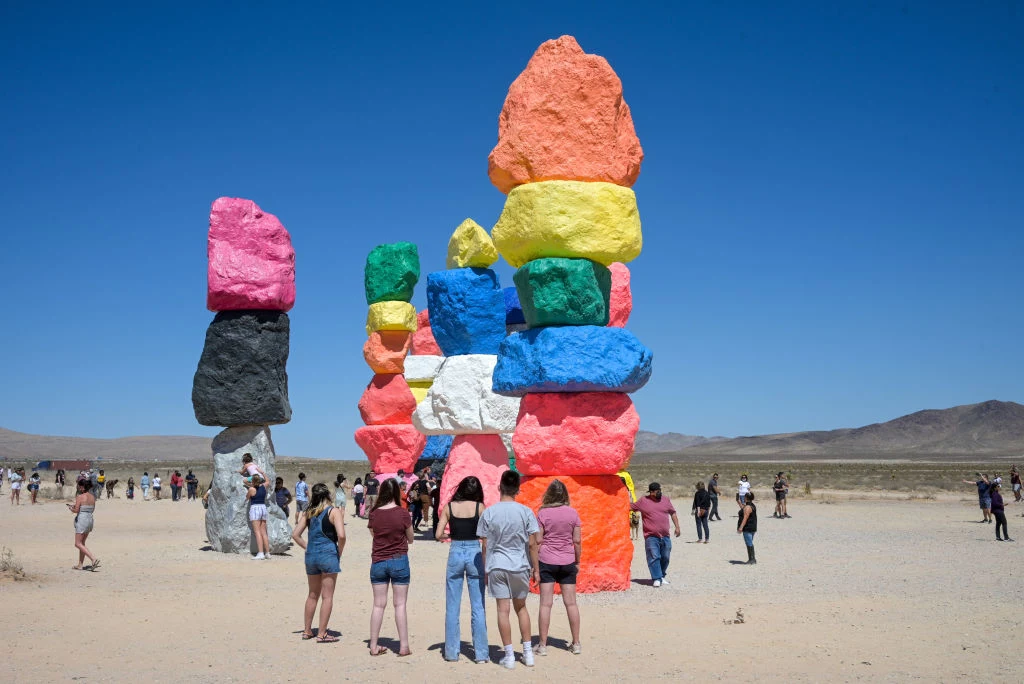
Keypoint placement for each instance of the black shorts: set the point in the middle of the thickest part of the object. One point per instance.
(558, 574)
(780, 495)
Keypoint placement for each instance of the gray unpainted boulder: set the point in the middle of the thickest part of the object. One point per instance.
(227, 518)
(241, 377)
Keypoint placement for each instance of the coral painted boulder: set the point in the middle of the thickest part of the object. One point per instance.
(564, 118)
(513, 309)
(602, 502)
(578, 433)
(621, 299)
(471, 246)
(467, 310)
(596, 221)
(391, 272)
(583, 358)
(423, 342)
(251, 259)
(461, 401)
(391, 447)
(557, 291)
(483, 456)
(390, 315)
(385, 350)
(420, 367)
(387, 401)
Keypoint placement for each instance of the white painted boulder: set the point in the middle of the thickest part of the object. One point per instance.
(461, 401)
(422, 368)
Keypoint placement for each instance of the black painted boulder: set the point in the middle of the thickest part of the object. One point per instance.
(241, 378)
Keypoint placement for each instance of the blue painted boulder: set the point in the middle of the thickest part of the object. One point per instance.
(513, 309)
(467, 310)
(584, 358)
(437, 447)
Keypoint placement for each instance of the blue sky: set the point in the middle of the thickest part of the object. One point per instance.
(832, 197)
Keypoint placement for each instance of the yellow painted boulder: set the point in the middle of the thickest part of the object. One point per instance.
(471, 246)
(419, 389)
(576, 219)
(391, 316)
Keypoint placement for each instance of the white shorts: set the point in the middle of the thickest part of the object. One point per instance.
(1016, 487)
(257, 512)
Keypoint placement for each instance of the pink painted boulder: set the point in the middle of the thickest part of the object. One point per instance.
(423, 342)
(391, 447)
(387, 401)
(620, 304)
(578, 433)
(251, 260)
(484, 456)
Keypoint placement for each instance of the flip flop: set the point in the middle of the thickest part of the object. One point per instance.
(380, 651)
(306, 636)
(403, 655)
(95, 564)
(326, 639)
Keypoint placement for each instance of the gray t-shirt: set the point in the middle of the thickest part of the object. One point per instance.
(507, 527)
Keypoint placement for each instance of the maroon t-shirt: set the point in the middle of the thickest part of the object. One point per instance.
(388, 526)
(655, 515)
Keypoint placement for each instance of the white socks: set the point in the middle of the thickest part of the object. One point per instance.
(510, 652)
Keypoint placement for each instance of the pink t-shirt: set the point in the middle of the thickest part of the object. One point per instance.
(557, 524)
(655, 515)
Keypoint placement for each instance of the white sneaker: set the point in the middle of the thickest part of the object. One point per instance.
(528, 657)
(577, 648)
(508, 662)
(657, 583)
(540, 650)
(259, 556)
(664, 580)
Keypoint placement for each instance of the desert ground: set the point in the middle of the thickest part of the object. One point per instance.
(855, 586)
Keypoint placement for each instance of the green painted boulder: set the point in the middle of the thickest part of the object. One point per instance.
(560, 291)
(391, 273)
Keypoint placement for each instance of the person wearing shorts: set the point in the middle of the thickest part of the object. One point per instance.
(391, 526)
(984, 499)
(326, 527)
(1015, 482)
(301, 497)
(257, 495)
(560, 543)
(507, 532)
(372, 486)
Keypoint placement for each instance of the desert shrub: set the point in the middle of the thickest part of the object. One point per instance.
(9, 565)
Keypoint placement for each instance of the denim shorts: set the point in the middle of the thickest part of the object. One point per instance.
(322, 561)
(985, 502)
(393, 570)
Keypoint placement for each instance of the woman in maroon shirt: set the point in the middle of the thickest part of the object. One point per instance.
(391, 525)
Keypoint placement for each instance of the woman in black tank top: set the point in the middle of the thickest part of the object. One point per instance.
(747, 526)
(465, 562)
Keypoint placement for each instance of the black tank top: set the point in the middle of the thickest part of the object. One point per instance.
(751, 525)
(463, 529)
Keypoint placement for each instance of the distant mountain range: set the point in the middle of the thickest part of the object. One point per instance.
(992, 428)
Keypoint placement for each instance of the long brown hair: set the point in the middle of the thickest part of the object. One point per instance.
(388, 493)
(319, 499)
(555, 495)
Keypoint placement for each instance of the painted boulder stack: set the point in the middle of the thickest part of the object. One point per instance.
(241, 381)
(388, 438)
(567, 156)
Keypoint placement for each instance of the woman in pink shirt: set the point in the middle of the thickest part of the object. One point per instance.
(560, 542)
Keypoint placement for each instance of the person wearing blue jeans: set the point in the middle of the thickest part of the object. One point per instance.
(465, 562)
(747, 525)
(656, 510)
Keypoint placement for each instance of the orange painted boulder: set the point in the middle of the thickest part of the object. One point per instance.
(621, 301)
(564, 119)
(603, 504)
(575, 433)
(391, 448)
(385, 350)
(483, 456)
(387, 401)
(423, 342)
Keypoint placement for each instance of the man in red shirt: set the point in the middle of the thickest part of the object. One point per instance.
(656, 509)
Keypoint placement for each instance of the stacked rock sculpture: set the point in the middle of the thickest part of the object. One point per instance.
(241, 381)
(388, 438)
(467, 315)
(567, 156)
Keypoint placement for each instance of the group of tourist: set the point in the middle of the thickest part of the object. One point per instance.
(990, 499)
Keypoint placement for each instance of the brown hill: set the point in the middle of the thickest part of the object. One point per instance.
(23, 448)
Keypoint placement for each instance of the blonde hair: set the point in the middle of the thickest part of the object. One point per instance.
(555, 495)
(319, 499)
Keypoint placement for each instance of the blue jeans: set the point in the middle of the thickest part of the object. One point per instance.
(748, 538)
(465, 560)
(659, 549)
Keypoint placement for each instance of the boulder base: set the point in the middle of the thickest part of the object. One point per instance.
(385, 350)
(584, 358)
(391, 447)
(387, 401)
(581, 433)
(621, 299)
(603, 504)
(471, 246)
(390, 315)
(596, 221)
(423, 342)
(461, 401)
(557, 291)
(564, 118)
(467, 310)
(251, 262)
(483, 456)
(391, 272)
(241, 377)
(227, 518)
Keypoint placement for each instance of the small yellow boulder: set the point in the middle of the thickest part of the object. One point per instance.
(470, 245)
(391, 316)
(575, 219)
(419, 389)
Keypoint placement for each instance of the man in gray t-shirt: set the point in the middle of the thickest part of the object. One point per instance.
(507, 538)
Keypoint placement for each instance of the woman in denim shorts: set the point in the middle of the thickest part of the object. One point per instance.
(391, 526)
(326, 524)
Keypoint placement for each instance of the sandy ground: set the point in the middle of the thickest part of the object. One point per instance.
(855, 590)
